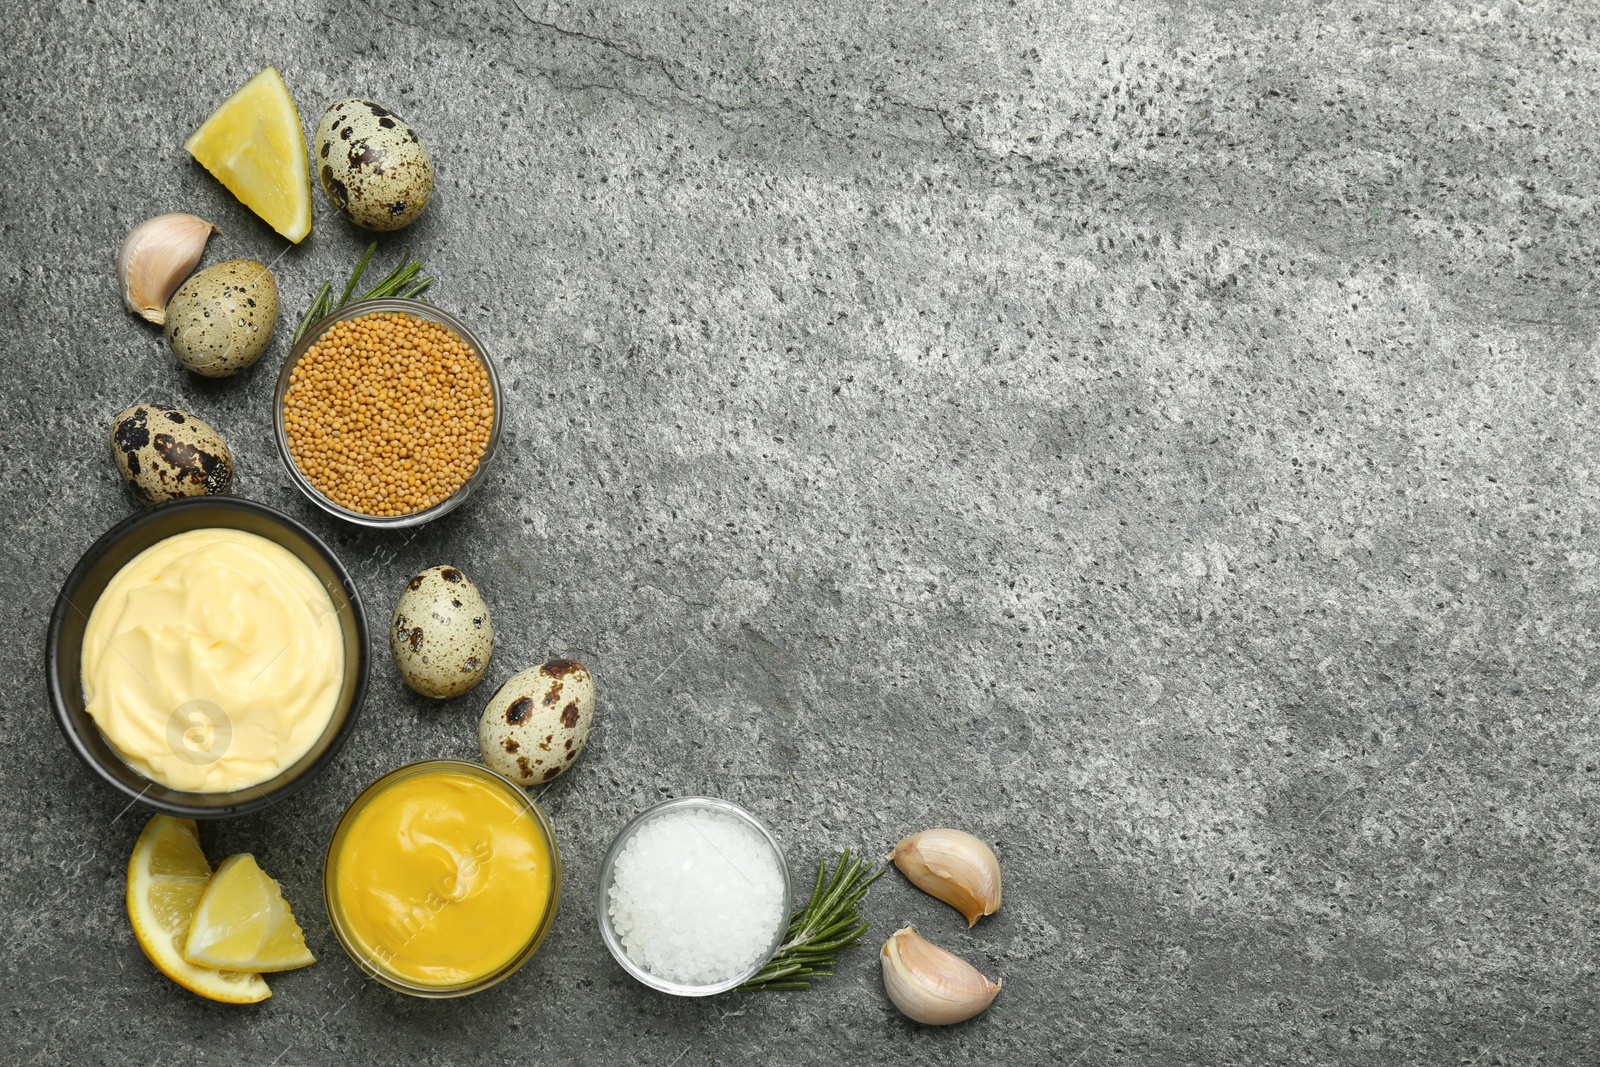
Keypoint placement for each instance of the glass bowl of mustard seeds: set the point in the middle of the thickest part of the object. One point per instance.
(387, 413)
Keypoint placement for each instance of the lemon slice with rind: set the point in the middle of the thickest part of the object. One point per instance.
(167, 875)
(242, 923)
(254, 145)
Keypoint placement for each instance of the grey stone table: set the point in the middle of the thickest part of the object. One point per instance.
(1158, 438)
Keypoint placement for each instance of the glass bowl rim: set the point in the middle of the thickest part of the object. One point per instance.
(266, 794)
(347, 940)
(609, 935)
(422, 310)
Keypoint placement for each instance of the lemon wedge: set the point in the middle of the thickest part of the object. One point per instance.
(167, 875)
(253, 144)
(242, 923)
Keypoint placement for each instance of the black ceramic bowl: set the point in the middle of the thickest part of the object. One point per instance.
(64, 647)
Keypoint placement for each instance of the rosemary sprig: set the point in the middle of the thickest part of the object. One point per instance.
(828, 923)
(402, 281)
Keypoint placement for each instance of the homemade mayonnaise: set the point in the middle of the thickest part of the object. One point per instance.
(213, 661)
(441, 877)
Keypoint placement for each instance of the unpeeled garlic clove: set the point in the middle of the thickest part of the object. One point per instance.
(155, 258)
(931, 985)
(954, 867)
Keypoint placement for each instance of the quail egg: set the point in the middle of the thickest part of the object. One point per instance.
(164, 453)
(220, 320)
(535, 727)
(372, 166)
(441, 635)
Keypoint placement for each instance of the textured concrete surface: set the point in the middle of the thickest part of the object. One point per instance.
(1157, 438)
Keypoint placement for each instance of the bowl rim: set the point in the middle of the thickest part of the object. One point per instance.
(423, 310)
(266, 794)
(608, 933)
(360, 957)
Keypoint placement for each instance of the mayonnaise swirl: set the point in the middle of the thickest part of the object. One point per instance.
(213, 661)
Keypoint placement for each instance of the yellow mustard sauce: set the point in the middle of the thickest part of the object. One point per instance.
(443, 877)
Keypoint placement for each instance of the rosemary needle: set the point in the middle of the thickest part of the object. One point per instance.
(402, 282)
(829, 922)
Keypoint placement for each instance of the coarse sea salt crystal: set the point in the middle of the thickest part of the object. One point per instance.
(696, 896)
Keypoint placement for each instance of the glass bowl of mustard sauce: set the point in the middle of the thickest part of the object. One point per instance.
(442, 878)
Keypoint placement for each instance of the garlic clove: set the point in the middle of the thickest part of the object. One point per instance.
(931, 985)
(155, 258)
(952, 866)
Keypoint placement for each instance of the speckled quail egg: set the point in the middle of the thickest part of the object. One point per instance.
(220, 320)
(535, 727)
(441, 635)
(372, 166)
(164, 453)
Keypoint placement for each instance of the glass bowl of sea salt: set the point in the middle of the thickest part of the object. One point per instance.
(694, 896)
